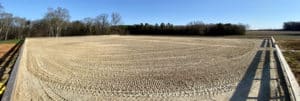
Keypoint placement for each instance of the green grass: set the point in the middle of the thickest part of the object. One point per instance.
(9, 41)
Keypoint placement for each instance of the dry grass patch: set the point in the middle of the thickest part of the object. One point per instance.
(292, 54)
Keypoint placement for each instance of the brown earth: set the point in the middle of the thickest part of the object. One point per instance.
(5, 47)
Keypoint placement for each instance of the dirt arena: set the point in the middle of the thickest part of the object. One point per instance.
(132, 68)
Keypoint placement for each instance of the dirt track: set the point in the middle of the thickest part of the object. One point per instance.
(132, 68)
(4, 48)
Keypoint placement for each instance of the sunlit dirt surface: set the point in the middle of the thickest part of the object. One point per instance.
(132, 68)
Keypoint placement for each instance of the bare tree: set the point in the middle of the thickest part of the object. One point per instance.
(116, 19)
(5, 24)
(102, 23)
(38, 28)
(20, 25)
(89, 22)
(56, 19)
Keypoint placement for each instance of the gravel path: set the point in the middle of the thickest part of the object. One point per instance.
(133, 68)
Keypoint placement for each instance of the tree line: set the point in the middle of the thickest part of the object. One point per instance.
(12, 24)
(291, 26)
(56, 22)
(195, 28)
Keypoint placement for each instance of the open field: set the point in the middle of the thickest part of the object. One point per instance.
(250, 34)
(143, 67)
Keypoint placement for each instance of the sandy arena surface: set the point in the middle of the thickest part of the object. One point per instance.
(132, 68)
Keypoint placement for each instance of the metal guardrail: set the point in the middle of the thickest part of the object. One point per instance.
(9, 92)
(291, 81)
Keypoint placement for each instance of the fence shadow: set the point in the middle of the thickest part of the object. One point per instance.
(243, 89)
(263, 43)
(264, 89)
(264, 92)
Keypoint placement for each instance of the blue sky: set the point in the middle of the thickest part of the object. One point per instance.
(256, 13)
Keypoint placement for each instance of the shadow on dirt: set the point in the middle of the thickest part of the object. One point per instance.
(243, 89)
(263, 43)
